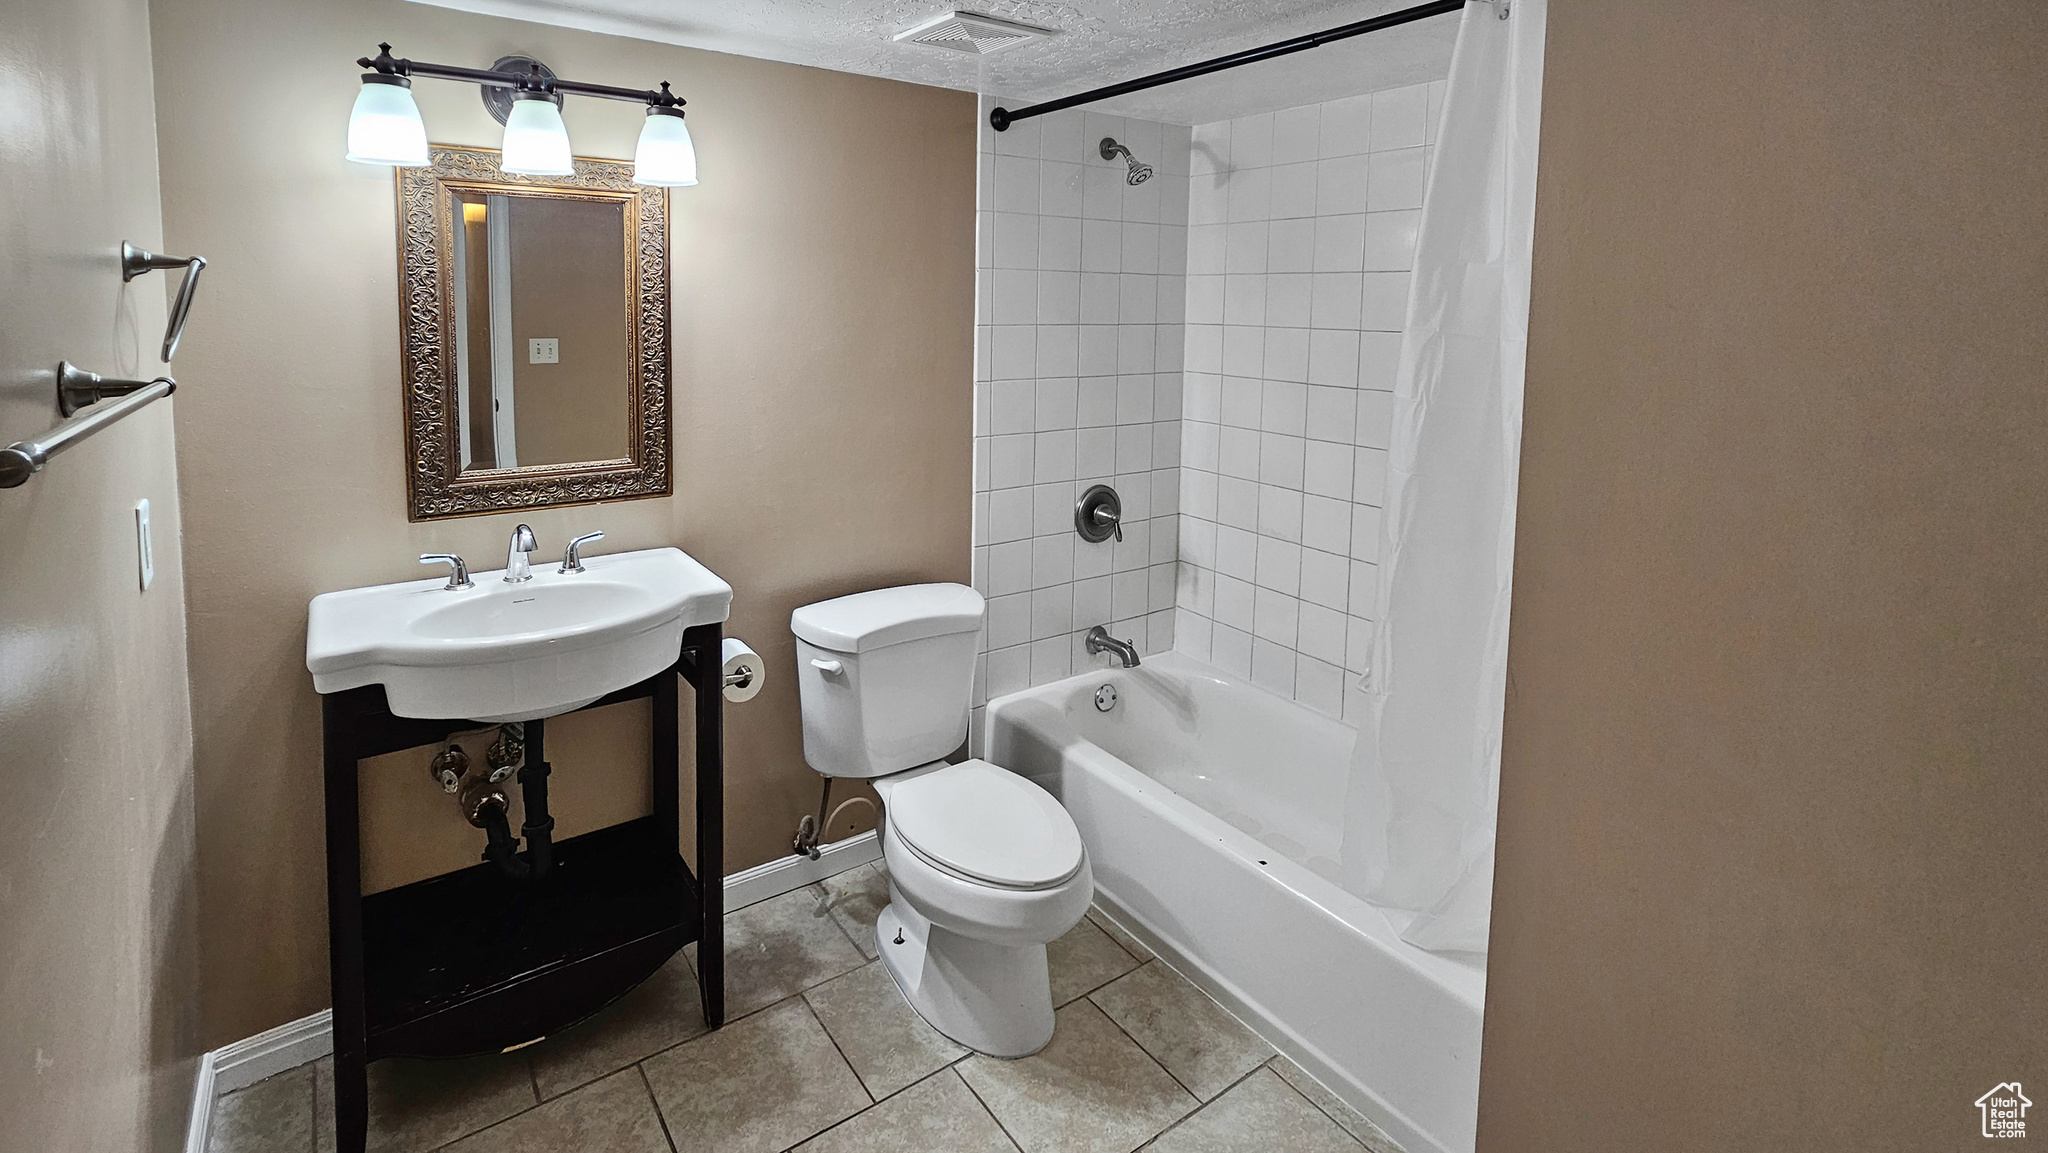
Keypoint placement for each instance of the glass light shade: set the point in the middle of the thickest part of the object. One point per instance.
(665, 157)
(385, 126)
(536, 143)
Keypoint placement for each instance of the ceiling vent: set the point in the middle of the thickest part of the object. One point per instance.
(971, 32)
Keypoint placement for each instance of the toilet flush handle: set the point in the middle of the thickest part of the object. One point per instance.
(829, 668)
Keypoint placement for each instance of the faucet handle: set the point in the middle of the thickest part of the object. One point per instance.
(458, 570)
(572, 557)
(1106, 515)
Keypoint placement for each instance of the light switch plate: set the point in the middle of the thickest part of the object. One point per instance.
(145, 554)
(544, 350)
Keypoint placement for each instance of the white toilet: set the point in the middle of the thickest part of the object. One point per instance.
(984, 866)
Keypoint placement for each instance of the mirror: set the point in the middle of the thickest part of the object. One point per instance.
(535, 335)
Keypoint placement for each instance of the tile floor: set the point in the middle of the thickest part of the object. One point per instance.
(821, 1055)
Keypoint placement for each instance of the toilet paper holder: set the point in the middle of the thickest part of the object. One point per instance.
(741, 670)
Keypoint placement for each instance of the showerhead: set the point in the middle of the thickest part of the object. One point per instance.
(1140, 172)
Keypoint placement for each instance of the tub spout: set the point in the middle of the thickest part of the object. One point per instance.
(1099, 641)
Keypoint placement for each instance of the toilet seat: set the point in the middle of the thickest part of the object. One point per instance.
(986, 825)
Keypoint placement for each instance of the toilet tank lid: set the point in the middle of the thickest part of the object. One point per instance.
(891, 616)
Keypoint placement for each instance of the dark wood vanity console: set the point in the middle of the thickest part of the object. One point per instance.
(475, 962)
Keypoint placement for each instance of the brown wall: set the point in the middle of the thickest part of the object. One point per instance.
(1771, 855)
(97, 912)
(822, 334)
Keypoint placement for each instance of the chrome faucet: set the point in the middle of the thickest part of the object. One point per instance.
(519, 566)
(1099, 641)
(572, 557)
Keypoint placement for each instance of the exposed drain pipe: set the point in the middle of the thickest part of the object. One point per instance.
(533, 785)
(484, 803)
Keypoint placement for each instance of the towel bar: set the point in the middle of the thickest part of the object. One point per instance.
(79, 390)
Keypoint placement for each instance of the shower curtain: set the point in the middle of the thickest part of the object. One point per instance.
(1419, 816)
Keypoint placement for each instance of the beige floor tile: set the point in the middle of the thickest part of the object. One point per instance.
(936, 1114)
(1197, 1040)
(1258, 1115)
(1083, 960)
(857, 895)
(1092, 1090)
(420, 1105)
(883, 1038)
(272, 1116)
(780, 947)
(1354, 1122)
(1131, 945)
(662, 1011)
(614, 1115)
(758, 1085)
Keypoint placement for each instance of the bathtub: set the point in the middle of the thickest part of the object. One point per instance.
(1212, 812)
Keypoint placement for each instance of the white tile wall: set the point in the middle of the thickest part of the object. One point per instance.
(1301, 235)
(1080, 296)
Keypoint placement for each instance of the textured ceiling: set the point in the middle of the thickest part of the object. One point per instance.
(1100, 42)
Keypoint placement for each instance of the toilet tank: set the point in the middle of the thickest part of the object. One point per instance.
(886, 677)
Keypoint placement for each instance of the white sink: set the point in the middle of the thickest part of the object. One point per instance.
(513, 652)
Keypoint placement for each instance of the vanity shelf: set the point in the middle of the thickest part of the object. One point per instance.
(471, 962)
(474, 962)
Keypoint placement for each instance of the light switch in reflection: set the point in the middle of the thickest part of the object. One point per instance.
(145, 556)
(544, 350)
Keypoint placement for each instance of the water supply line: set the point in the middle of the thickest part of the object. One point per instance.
(811, 829)
(807, 830)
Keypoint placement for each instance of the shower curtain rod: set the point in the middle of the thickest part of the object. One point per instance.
(1001, 118)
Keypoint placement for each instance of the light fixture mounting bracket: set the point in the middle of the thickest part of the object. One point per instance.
(498, 101)
(522, 77)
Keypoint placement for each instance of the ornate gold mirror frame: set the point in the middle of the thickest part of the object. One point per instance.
(436, 485)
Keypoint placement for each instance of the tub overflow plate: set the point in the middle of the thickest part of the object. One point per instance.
(1105, 698)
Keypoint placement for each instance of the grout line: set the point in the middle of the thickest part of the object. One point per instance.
(857, 1079)
(659, 1116)
(984, 1105)
(1192, 1095)
(828, 907)
(878, 1101)
(1222, 1093)
(1272, 1062)
(1141, 961)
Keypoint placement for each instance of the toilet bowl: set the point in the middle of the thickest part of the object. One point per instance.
(985, 867)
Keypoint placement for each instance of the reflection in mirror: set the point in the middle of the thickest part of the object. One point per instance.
(543, 338)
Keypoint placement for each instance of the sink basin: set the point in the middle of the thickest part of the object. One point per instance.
(513, 652)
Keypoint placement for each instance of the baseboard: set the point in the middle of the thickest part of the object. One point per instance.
(794, 872)
(239, 1064)
(199, 1124)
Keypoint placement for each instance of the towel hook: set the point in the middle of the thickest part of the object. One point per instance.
(137, 261)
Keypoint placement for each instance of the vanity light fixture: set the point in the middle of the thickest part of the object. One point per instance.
(385, 125)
